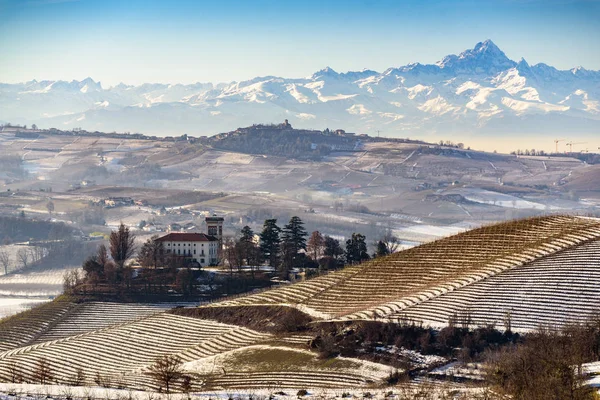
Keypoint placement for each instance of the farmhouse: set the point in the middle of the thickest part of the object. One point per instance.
(198, 247)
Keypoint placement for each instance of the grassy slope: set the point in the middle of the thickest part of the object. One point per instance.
(270, 319)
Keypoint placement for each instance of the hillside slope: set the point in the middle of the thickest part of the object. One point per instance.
(217, 356)
(383, 288)
(541, 270)
(555, 290)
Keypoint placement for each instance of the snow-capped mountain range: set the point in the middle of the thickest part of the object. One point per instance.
(478, 91)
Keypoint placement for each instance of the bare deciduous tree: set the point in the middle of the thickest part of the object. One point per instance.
(391, 241)
(50, 206)
(24, 257)
(71, 279)
(122, 245)
(15, 373)
(42, 372)
(166, 370)
(5, 260)
(315, 245)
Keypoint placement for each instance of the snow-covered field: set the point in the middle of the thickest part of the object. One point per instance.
(439, 390)
(472, 371)
(430, 230)
(20, 291)
(502, 200)
(14, 305)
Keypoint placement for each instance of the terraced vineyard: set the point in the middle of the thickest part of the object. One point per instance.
(552, 291)
(543, 270)
(63, 318)
(21, 329)
(119, 352)
(97, 315)
(383, 288)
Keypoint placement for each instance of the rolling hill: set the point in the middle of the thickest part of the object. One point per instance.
(445, 276)
(535, 271)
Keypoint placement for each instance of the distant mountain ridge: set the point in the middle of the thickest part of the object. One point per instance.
(480, 90)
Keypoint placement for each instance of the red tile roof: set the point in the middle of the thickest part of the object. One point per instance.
(187, 237)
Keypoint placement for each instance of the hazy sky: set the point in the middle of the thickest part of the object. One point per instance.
(188, 41)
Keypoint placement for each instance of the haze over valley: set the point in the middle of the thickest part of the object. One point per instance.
(479, 96)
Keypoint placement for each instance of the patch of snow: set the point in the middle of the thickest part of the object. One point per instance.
(358, 109)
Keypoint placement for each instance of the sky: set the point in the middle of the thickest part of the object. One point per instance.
(186, 41)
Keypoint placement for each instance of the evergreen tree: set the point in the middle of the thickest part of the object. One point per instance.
(269, 242)
(293, 240)
(382, 249)
(332, 248)
(356, 249)
(247, 235)
(248, 249)
(295, 235)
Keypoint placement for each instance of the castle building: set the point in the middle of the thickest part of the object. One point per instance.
(194, 247)
(201, 248)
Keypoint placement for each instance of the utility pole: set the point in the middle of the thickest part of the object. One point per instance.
(378, 132)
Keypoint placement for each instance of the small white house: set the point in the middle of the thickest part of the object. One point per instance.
(198, 247)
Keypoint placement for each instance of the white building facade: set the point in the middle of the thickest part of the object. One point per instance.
(194, 247)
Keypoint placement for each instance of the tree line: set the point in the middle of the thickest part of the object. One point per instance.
(282, 249)
(290, 247)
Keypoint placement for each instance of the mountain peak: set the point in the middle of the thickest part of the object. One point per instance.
(485, 57)
(522, 65)
(327, 71)
(88, 84)
(487, 46)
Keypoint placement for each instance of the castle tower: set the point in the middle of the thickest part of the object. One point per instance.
(214, 227)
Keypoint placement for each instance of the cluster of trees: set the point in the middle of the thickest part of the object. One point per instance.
(450, 143)
(527, 152)
(161, 271)
(100, 268)
(279, 247)
(292, 247)
(25, 257)
(12, 165)
(547, 364)
(21, 229)
(91, 215)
